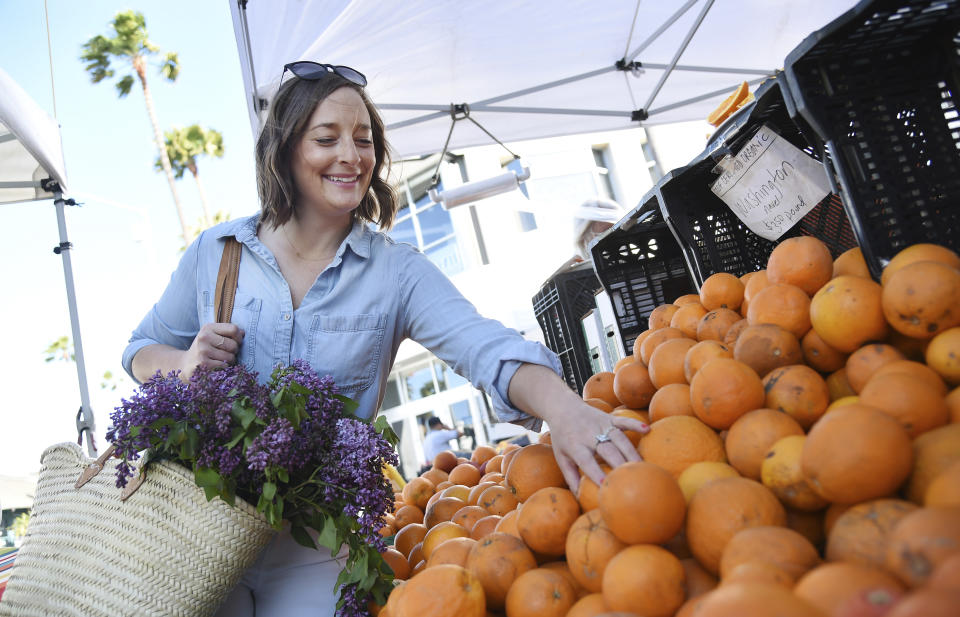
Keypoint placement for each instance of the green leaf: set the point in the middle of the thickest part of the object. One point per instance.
(277, 397)
(210, 492)
(188, 449)
(228, 492)
(382, 426)
(299, 388)
(269, 490)
(149, 455)
(244, 414)
(350, 406)
(177, 435)
(206, 477)
(362, 562)
(235, 436)
(171, 66)
(292, 416)
(124, 85)
(302, 537)
(328, 536)
(282, 475)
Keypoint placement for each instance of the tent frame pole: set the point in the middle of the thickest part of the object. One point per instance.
(679, 52)
(663, 27)
(85, 419)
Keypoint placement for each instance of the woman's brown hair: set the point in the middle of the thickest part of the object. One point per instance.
(286, 122)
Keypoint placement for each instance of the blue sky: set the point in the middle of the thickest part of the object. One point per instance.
(126, 234)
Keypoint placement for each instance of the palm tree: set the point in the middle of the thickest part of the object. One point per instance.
(183, 146)
(131, 45)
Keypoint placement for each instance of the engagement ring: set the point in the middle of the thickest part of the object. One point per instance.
(602, 437)
(222, 341)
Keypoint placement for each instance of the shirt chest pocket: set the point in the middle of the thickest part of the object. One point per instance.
(246, 314)
(348, 348)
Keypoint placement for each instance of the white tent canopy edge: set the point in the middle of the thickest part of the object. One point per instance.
(32, 169)
(30, 148)
(526, 69)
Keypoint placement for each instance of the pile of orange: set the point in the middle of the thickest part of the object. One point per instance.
(803, 460)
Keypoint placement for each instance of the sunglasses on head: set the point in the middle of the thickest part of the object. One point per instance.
(312, 71)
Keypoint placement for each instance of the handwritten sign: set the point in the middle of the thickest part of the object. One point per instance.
(770, 184)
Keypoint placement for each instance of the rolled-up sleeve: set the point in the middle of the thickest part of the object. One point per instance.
(174, 319)
(486, 352)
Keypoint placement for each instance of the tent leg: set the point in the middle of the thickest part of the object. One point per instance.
(85, 419)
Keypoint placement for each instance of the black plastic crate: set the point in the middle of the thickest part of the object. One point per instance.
(641, 267)
(712, 237)
(879, 86)
(559, 306)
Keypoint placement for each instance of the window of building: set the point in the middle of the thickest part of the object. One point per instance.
(601, 158)
(423, 423)
(652, 166)
(426, 225)
(526, 220)
(398, 427)
(420, 383)
(447, 379)
(462, 417)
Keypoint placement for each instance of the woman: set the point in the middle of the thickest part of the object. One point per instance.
(316, 283)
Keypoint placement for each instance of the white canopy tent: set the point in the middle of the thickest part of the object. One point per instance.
(32, 168)
(528, 68)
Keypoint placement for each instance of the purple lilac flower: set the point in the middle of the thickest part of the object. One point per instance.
(272, 447)
(355, 464)
(353, 606)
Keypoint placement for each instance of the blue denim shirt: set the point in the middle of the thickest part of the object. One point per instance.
(374, 294)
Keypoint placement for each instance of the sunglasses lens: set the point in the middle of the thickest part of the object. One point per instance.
(351, 75)
(307, 70)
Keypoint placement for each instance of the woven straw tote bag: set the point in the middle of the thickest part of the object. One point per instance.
(163, 552)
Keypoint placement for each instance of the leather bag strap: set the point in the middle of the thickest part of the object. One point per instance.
(226, 289)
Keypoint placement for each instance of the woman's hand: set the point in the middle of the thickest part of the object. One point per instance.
(581, 433)
(578, 431)
(216, 344)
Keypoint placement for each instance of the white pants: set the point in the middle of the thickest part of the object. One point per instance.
(287, 580)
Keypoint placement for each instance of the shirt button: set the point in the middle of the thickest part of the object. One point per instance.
(286, 316)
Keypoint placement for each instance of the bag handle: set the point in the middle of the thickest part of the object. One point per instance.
(224, 295)
(94, 468)
(90, 472)
(226, 289)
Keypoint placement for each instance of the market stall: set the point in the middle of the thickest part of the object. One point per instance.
(803, 396)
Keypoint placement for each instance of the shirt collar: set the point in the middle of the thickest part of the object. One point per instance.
(358, 240)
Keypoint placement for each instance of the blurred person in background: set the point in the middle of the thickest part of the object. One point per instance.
(591, 219)
(437, 440)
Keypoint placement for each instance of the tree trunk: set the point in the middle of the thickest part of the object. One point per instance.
(203, 194)
(138, 66)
